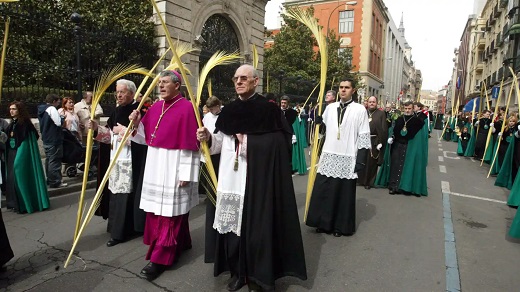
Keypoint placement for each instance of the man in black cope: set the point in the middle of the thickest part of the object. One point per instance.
(256, 215)
(378, 138)
(483, 125)
(120, 202)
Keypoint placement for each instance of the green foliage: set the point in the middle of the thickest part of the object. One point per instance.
(295, 52)
(42, 42)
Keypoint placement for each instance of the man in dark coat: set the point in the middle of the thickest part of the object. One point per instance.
(6, 253)
(125, 219)
(483, 126)
(256, 215)
(378, 137)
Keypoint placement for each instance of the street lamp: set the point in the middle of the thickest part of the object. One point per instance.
(76, 19)
(352, 3)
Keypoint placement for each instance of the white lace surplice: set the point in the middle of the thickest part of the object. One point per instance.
(120, 178)
(338, 157)
(231, 190)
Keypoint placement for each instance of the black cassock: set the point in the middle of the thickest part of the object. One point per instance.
(6, 253)
(122, 210)
(270, 245)
(378, 135)
(480, 144)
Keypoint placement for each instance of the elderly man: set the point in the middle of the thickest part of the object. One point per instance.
(171, 175)
(125, 219)
(82, 109)
(378, 137)
(256, 215)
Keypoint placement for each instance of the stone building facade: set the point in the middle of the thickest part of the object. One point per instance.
(211, 25)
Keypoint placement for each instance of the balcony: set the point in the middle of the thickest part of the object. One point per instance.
(496, 11)
(513, 30)
(481, 43)
(479, 68)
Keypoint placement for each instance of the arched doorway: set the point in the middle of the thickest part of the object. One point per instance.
(219, 35)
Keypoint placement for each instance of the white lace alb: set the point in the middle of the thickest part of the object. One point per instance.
(364, 141)
(337, 166)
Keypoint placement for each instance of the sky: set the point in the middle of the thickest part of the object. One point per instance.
(433, 29)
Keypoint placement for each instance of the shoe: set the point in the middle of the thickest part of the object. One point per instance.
(151, 271)
(392, 192)
(236, 283)
(253, 287)
(337, 234)
(61, 185)
(367, 187)
(319, 230)
(113, 242)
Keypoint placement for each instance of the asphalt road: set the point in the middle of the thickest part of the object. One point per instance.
(454, 239)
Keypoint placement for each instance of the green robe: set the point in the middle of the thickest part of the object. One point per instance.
(298, 149)
(514, 231)
(384, 170)
(413, 178)
(496, 166)
(505, 177)
(454, 136)
(470, 150)
(29, 178)
(490, 151)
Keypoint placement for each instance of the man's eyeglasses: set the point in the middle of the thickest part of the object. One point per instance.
(13, 109)
(240, 78)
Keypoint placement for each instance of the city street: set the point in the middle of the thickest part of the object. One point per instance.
(454, 239)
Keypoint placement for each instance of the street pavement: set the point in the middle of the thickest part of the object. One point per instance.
(454, 239)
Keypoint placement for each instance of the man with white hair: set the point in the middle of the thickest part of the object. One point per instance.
(125, 219)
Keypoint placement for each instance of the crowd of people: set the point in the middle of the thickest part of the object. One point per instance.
(253, 230)
(493, 139)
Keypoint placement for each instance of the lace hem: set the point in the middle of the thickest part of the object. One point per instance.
(228, 214)
(364, 141)
(120, 179)
(337, 166)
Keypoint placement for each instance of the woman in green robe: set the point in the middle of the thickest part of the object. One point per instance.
(26, 190)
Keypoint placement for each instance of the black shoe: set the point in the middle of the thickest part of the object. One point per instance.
(236, 283)
(337, 234)
(253, 287)
(392, 192)
(151, 271)
(320, 230)
(367, 187)
(113, 242)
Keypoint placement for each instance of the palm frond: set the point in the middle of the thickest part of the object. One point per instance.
(4, 51)
(7, 1)
(219, 58)
(255, 56)
(308, 19)
(210, 88)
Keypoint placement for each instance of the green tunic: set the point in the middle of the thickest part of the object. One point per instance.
(29, 178)
(413, 179)
(470, 150)
(298, 149)
(384, 170)
(514, 231)
(505, 177)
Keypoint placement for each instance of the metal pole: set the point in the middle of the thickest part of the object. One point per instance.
(76, 18)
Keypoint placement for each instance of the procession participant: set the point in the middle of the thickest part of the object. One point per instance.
(407, 165)
(214, 106)
(482, 128)
(125, 219)
(378, 138)
(504, 162)
(463, 141)
(7, 253)
(171, 175)
(332, 208)
(256, 215)
(26, 191)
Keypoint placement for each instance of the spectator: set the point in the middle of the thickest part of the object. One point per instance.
(71, 120)
(3, 128)
(82, 109)
(52, 137)
(26, 190)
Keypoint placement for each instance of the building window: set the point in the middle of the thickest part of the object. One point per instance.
(346, 21)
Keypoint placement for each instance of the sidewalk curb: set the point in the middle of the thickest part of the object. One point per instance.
(69, 189)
